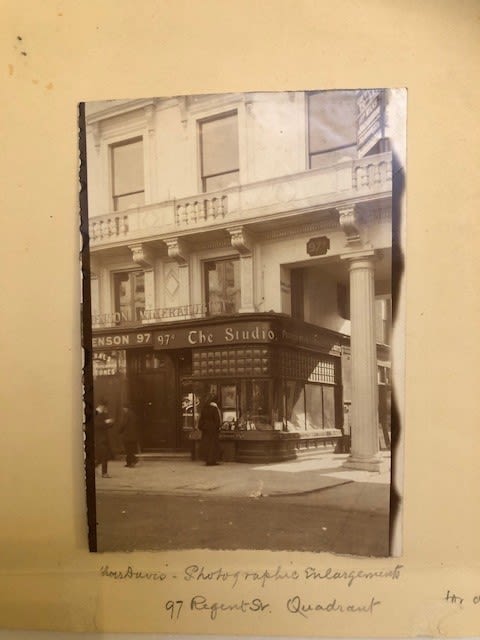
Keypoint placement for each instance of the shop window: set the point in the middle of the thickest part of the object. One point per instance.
(328, 407)
(258, 404)
(129, 295)
(314, 404)
(219, 152)
(295, 406)
(128, 187)
(222, 286)
(332, 126)
(109, 363)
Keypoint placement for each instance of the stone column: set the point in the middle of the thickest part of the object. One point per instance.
(364, 410)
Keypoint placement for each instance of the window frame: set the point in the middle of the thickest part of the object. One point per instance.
(111, 148)
(114, 275)
(326, 153)
(204, 271)
(211, 118)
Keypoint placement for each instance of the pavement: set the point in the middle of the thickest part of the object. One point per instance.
(184, 477)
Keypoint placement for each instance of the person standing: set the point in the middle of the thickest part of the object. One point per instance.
(102, 424)
(209, 424)
(129, 431)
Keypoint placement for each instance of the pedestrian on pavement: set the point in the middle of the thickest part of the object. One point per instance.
(129, 431)
(209, 424)
(102, 423)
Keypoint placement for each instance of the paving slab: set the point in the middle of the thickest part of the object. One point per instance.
(194, 478)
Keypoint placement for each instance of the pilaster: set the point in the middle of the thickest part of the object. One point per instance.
(242, 241)
(144, 256)
(178, 251)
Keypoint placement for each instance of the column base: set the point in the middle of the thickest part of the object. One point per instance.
(375, 463)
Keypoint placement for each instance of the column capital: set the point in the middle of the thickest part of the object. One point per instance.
(177, 249)
(142, 255)
(241, 240)
(359, 258)
(347, 216)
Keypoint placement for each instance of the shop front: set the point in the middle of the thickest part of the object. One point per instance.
(277, 380)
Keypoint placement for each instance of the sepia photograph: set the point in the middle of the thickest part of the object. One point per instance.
(241, 268)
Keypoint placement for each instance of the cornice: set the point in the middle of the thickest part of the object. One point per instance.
(120, 109)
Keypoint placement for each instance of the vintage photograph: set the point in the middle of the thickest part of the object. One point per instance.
(241, 257)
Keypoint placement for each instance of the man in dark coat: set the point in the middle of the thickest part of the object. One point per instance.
(209, 424)
(102, 424)
(129, 431)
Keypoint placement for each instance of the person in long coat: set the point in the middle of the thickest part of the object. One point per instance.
(129, 431)
(102, 424)
(209, 424)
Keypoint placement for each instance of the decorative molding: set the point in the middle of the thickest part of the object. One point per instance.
(95, 266)
(240, 239)
(97, 133)
(349, 223)
(177, 250)
(119, 108)
(213, 244)
(183, 107)
(142, 255)
(150, 116)
(310, 227)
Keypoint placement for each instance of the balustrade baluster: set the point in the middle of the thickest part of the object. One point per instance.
(208, 204)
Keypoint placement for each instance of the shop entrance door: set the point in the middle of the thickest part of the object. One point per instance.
(153, 396)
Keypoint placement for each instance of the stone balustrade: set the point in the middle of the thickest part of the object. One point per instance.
(105, 227)
(372, 172)
(346, 180)
(201, 209)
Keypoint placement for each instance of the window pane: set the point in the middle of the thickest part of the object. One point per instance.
(129, 294)
(222, 181)
(295, 406)
(314, 399)
(138, 294)
(123, 295)
(332, 120)
(219, 145)
(258, 403)
(127, 167)
(223, 286)
(329, 407)
(131, 200)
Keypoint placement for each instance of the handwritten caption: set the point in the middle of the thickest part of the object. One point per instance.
(454, 598)
(259, 604)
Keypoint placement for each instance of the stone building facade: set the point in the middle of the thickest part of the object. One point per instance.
(242, 244)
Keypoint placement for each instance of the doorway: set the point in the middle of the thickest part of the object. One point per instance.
(152, 395)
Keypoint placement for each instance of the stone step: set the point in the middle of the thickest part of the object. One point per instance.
(153, 456)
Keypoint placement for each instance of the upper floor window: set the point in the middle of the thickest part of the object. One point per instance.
(222, 286)
(219, 152)
(128, 185)
(129, 295)
(332, 125)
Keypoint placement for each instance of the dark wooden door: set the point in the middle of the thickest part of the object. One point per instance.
(154, 399)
